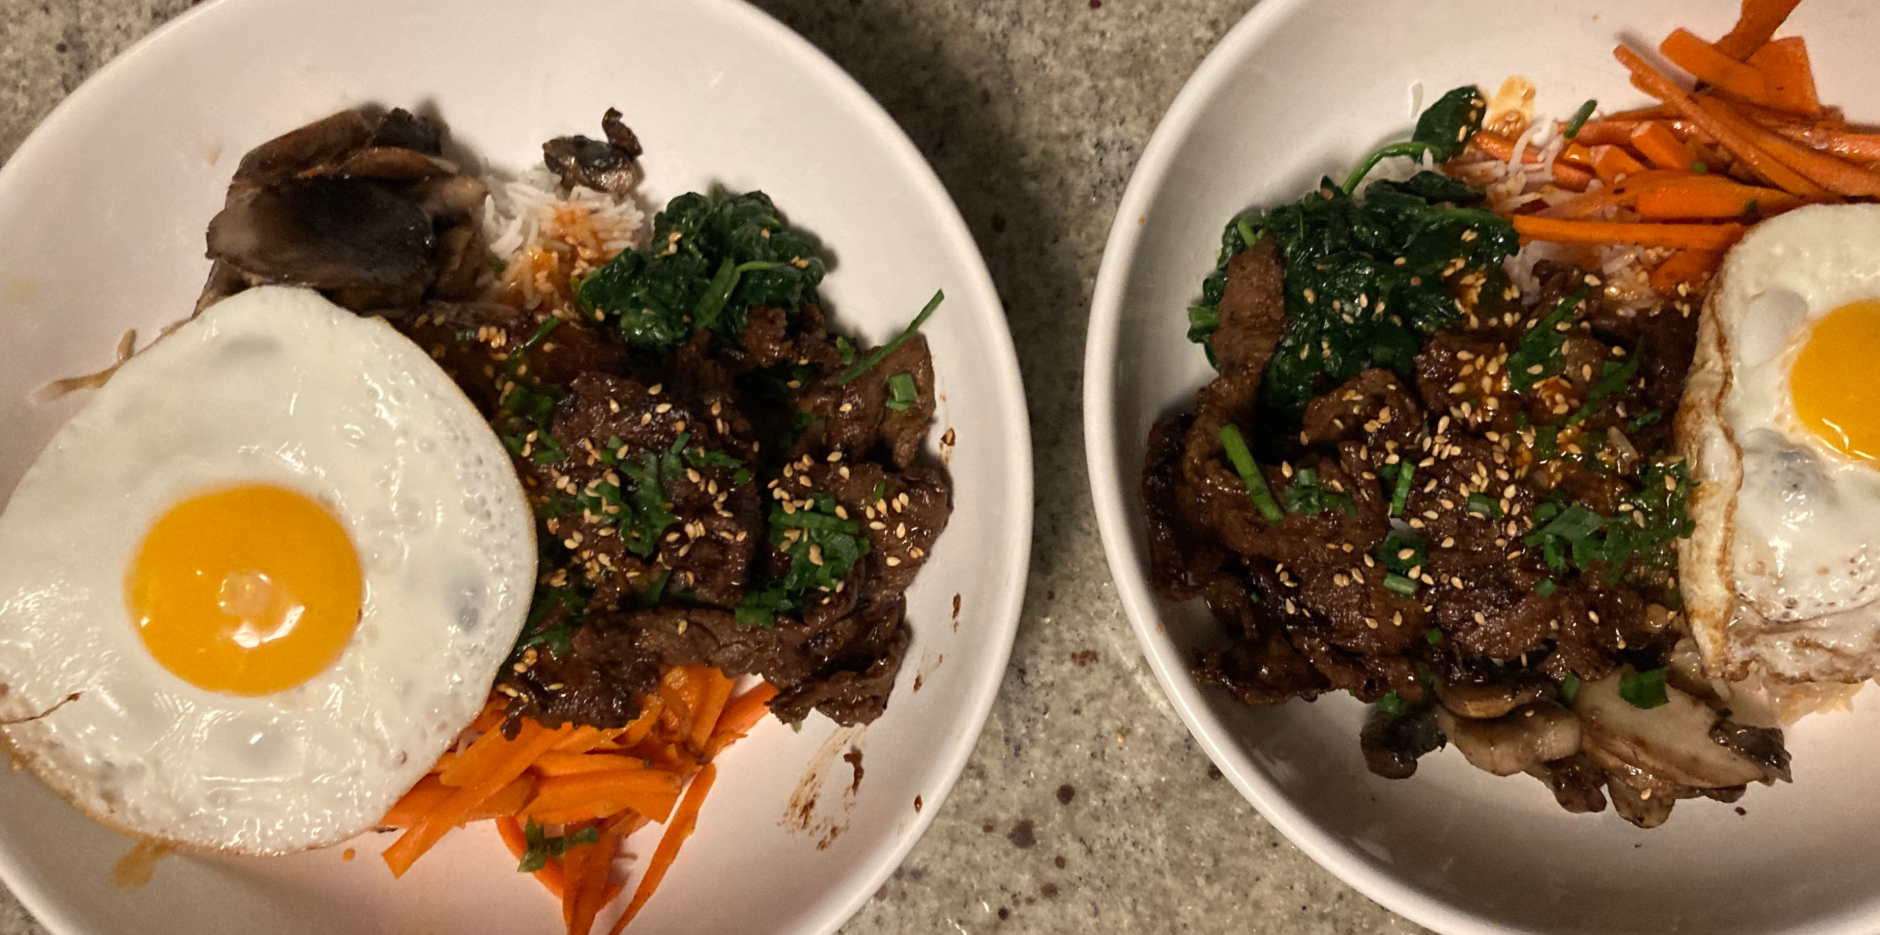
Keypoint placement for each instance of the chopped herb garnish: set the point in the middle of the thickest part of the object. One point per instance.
(1580, 117)
(823, 549)
(1570, 687)
(1307, 497)
(1400, 585)
(1650, 418)
(1482, 505)
(1404, 470)
(1393, 704)
(1546, 587)
(1434, 636)
(845, 350)
(902, 393)
(497, 264)
(1613, 377)
(1644, 689)
(1257, 490)
(1538, 354)
(542, 846)
(881, 353)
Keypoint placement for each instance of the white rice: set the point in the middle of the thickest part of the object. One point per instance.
(525, 211)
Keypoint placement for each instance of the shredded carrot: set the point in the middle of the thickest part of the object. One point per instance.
(717, 691)
(1687, 268)
(1785, 69)
(505, 803)
(1655, 83)
(1683, 236)
(681, 827)
(1567, 176)
(417, 803)
(649, 792)
(492, 714)
(556, 763)
(532, 740)
(1612, 163)
(1831, 174)
(1607, 132)
(1759, 21)
(1714, 68)
(587, 867)
(1723, 201)
(1661, 147)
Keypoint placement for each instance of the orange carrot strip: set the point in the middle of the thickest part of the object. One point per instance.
(1688, 236)
(517, 840)
(684, 821)
(1586, 205)
(642, 725)
(1612, 163)
(506, 802)
(1565, 175)
(1654, 112)
(711, 704)
(476, 759)
(1575, 154)
(1759, 20)
(1661, 147)
(1714, 68)
(740, 715)
(582, 740)
(587, 867)
(491, 715)
(678, 706)
(1654, 82)
(1833, 174)
(645, 791)
(1711, 200)
(1688, 268)
(417, 803)
(1784, 66)
(556, 763)
(1606, 132)
(531, 741)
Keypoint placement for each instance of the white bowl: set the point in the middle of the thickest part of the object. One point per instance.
(102, 214)
(1301, 89)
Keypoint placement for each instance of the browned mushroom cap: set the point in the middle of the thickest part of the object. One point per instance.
(1490, 699)
(1392, 742)
(607, 166)
(390, 163)
(327, 233)
(405, 130)
(316, 144)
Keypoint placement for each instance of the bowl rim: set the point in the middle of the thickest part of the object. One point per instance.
(1107, 486)
(1000, 369)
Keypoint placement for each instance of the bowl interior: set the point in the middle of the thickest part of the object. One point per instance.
(102, 216)
(1304, 89)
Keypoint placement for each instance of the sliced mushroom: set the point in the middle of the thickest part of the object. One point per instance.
(1638, 795)
(1760, 745)
(406, 130)
(1671, 741)
(608, 166)
(392, 164)
(316, 144)
(1485, 700)
(1576, 782)
(1517, 741)
(450, 196)
(327, 233)
(461, 252)
(1392, 742)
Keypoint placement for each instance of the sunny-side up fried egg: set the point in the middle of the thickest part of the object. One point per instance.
(1781, 418)
(278, 559)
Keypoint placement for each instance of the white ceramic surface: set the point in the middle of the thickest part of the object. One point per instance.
(1300, 89)
(102, 215)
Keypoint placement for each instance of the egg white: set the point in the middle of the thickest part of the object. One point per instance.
(1782, 572)
(273, 386)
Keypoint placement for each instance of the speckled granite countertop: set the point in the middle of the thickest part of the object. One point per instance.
(1077, 812)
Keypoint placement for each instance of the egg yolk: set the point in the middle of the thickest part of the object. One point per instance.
(1833, 383)
(246, 591)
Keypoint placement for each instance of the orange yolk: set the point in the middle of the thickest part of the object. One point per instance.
(246, 591)
(1833, 382)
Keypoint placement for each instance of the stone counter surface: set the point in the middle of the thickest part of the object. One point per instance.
(1086, 806)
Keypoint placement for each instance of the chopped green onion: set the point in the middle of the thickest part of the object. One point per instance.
(846, 350)
(1400, 585)
(1401, 495)
(881, 353)
(1644, 689)
(1579, 119)
(1481, 505)
(1393, 704)
(902, 393)
(1700, 168)
(1257, 490)
(1247, 236)
(1308, 477)
(1546, 587)
(1570, 687)
(1435, 635)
